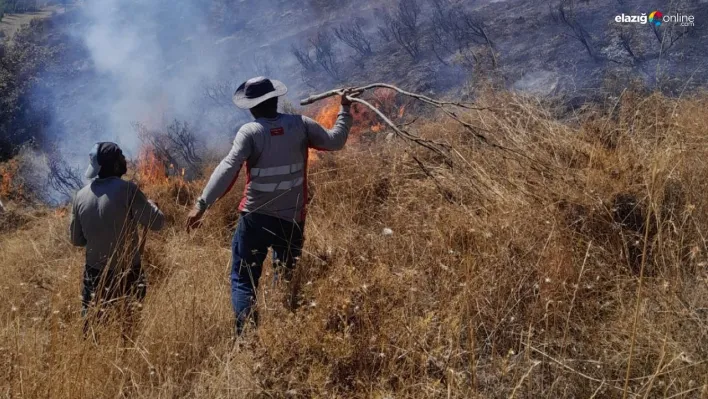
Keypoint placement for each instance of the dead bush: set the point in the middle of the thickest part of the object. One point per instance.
(403, 24)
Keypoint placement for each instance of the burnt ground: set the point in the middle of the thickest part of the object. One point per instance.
(535, 51)
(538, 53)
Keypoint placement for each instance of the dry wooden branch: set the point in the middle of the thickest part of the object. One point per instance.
(425, 99)
(436, 147)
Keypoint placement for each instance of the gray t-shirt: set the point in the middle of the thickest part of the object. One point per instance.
(104, 219)
(275, 152)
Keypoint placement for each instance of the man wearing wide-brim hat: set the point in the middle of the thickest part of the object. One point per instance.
(274, 147)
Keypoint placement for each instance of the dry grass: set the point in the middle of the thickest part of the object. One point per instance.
(505, 276)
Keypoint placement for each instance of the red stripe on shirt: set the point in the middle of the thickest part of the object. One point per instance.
(245, 188)
(303, 213)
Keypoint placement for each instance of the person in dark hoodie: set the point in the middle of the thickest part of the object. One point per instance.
(104, 219)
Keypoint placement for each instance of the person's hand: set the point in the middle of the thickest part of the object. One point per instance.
(194, 219)
(350, 92)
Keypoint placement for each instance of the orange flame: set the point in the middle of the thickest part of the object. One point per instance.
(327, 117)
(364, 119)
(6, 181)
(401, 112)
(150, 169)
(8, 186)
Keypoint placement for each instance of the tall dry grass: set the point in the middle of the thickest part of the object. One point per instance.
(573, 265)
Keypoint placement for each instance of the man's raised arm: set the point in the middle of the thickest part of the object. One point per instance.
(335, 138)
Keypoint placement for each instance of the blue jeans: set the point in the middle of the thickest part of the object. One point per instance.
(255, 233)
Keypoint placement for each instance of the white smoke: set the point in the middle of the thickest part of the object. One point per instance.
(148, 62)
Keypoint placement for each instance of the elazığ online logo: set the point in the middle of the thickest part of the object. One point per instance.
(657, 18)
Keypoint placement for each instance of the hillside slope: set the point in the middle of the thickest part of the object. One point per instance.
(573, 264)
(153, 62)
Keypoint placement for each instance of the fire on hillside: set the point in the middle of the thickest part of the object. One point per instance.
(9, 186)
(151, 169)
(364, 119)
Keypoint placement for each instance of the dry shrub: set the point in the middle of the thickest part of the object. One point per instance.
(14, 219)
(510, 273)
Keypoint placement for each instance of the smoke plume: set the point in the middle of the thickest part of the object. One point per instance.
(149, 62)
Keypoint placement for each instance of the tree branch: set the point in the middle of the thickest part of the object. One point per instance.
(436, 147)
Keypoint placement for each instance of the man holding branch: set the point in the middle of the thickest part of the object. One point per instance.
(274, 148)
